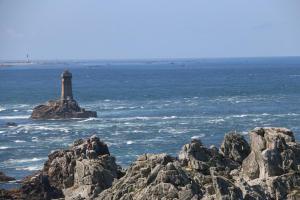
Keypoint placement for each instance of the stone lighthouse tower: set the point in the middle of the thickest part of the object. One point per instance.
(66, 86)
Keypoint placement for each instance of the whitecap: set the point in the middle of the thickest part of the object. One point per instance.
(245, 133)
(19, 141)
(198, 136)
(3, 147)
(30, 168)
(15, 117)
(2, 108)
(215, 121)
(25, 160)
(15, 110)
(170, 117)
(129, 142)
(119, 108)
(88, 119)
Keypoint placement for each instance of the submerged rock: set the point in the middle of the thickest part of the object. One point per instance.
(10, 124)
(5, 178)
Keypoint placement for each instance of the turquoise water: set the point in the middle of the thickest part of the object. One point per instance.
(144, 106)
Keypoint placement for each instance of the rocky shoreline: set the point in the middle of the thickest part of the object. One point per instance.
(267, 168)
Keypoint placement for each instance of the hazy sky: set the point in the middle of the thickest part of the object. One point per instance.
(118, 29)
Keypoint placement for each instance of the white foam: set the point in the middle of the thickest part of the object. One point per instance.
(2, 108)
(119, 108)
(25, 160)
(19, 141)
(30, 168)
(215, 121)
(198, 136)
(129, 142)
(3, 147)
(170, 117)
(88, 119)
(245, 132)
(15, 117)
(15, 110)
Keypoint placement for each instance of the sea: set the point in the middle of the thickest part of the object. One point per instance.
(143, 106)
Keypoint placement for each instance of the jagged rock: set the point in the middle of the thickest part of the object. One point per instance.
(61, 109)
(224, 188)
(197, 157)
(235, 147)
(274, 160)
(154, 177)
(72, 174)
(87, 171)
(270, 153)
(9, 194)
(4, 178)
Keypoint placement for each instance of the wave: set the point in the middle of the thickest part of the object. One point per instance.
(215, 121)
(89, 119)
(129, 142)
(4, 147)
(15, 117)
(198, 136)
(42, 128)
(30, 168)
(25, 160)
(19, 141)
(170, 117)
(2, 108)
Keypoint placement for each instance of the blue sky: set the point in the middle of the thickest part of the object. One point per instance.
(129, 29)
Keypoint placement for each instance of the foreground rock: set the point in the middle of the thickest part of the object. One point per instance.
(81, 172)
(4, 178)
(64, 108)
(268, 168)
(61, 109)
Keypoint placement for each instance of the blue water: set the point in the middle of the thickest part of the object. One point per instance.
(144, 106)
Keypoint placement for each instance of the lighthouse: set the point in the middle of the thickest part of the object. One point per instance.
(66, 86)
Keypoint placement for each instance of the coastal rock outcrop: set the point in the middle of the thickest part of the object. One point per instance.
(267, 169)
(80, 172)
(66, 107)
(5, 178)
(235, 147)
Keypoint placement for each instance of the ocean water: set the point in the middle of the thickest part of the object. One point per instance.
(149, 106)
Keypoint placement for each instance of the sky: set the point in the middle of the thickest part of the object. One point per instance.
(147, 29)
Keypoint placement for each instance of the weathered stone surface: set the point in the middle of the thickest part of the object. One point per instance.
(61, 109)
(154, 177)
(235, 147)
(197, 157)
(224, 188)
(87, 171)
(270, 153)
(72, 174)
(4, 178)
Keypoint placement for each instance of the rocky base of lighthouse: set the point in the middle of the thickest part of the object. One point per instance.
(61, 109)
